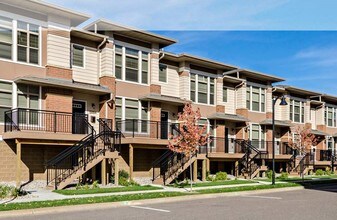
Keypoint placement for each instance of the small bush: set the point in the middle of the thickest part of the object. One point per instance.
(319, 172)
(10, 191)
(284, 175)
(123, 174)
(95, 185)
(269, 174)
(220, 176)
(123, 181)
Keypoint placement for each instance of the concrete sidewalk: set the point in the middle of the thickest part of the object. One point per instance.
(48, 195)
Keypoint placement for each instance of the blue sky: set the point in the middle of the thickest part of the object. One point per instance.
(286, 38)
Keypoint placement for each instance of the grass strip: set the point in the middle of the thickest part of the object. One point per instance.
(246, 188)
(90, 200)
(215, 183)
(107, 190)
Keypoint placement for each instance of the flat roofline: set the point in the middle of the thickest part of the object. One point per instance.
(298, 90)
(118, 27)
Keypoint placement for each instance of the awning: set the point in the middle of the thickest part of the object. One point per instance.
(62, 83)
(163, 98)
(319, 133)
(278, 123)
(228, 117)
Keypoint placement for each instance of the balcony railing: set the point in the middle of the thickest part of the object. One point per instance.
(21, 119)
(266, 147)
(145, 128)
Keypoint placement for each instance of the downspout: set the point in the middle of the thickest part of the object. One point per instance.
(163, 54)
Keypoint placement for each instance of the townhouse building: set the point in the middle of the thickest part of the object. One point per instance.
(88, 102)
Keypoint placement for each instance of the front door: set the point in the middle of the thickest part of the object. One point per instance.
(277, 146)
(78, 123)
(164, 125)
(226, 141)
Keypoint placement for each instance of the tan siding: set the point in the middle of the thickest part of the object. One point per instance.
(154, 70)
(219, 94)
(58, 51)
(184, 87)
(241, 97)
(171, 88)
(230, 104)
(88, 74)
(107, 62)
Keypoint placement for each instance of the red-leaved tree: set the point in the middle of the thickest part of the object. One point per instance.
(303, 138)
(190, 134)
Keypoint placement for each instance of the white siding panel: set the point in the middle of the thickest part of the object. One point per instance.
(58, 51)
(230, 104)
(107, 62)
(88, 74)
(171, 88)
(184, 87)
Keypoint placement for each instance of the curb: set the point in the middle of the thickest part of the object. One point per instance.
(101, 206)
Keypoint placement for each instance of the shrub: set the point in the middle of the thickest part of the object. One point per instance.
(220, 176)
(123, 181)
(10, 191)
(284, 175)
(95, 185)
(319, 172)
(123, 174)
(269, 174)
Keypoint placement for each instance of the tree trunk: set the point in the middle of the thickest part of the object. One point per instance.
(191, 172)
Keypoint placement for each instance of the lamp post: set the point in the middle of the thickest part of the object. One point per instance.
(283, 102)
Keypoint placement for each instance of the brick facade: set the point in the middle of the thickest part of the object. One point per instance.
(58, 72)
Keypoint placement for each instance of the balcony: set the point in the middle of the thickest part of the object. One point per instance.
(41, 124)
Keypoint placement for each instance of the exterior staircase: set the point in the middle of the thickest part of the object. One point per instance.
(75, 161)
(303, 163)
(250, 168)
(169, 166)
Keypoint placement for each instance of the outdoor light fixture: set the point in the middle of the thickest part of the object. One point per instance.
(282, 103)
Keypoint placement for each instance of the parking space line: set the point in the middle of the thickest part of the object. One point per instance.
(149, 208)
(263, 197)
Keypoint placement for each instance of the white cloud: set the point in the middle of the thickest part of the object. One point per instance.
(324, 57)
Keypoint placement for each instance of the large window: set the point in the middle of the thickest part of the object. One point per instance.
(257, 136)
(5, 99)
(330, 116)
(5, 38)
(28, 42)
(131, 64)
(28, 98)
(132, 115)
(256, 98)
(202, 89)
(78, 56)
(296, 112)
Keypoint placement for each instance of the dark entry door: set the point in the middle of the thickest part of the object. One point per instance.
(79, 117)
(226, 140)
(164, 125)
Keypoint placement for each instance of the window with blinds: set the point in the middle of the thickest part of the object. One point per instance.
(78, 56)
(28, 43)
(145, 67)
(6, 40)
(224, 94)
(202, 89)
(256, 98)
(330, 116)
(131, 65)
(162, 73)
(28, 98)
(296, 111)
(193, 87)
(5, 99)
(118, 61)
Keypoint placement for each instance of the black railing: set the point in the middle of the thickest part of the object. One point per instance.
(80, 154)
(266, 147)
(22, 119)
(224, 145)
(145, 128)
(325, 155)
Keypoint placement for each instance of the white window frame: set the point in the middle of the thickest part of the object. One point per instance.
(166, 73)
(72, 56)
(260, 87)
(302, 107)
(208, 88)
(12, 103)
(262, 133)
(334, 116)
(140, 63)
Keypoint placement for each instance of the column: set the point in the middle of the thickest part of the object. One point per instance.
(103, 173)
(236, 168)
(195, 170)
(204, 169)
(18, 163)
(93, 173)
(131, 160)
(116, 171)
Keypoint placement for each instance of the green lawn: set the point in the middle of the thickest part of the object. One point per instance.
(215, 183)
(107, 190)
(306, 178)
(150, 195)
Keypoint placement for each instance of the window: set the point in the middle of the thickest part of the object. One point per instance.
(162, 73)
(193, 87)
(330, 116)
(5, 38)
(28, 98)
(131, 65)
(255, 98)
(5, 99)
(134, 113)
(202, 89)
(78, 56)
(28, 43)
(118, 62)
(224, 94)
(145, 67)
(296, 112)
(257, 136)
